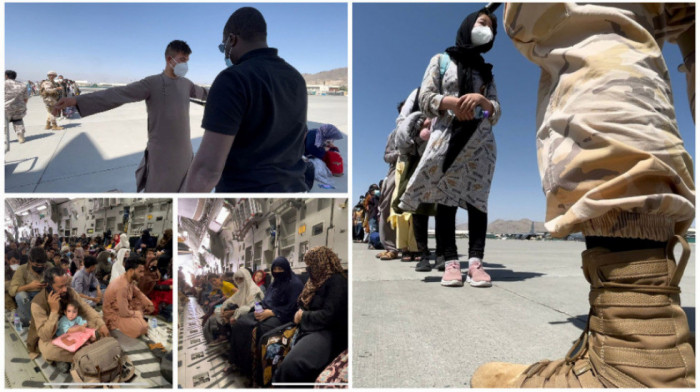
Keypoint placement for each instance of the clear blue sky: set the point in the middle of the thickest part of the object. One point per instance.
(124, 42)
(392, 45)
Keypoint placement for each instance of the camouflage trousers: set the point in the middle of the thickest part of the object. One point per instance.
(611, 159)
(17, 124)
(51, 119)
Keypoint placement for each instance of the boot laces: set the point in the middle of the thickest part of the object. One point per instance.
(580, 347)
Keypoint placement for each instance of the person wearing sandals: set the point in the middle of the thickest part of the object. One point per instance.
(457, 166)
(322, 319)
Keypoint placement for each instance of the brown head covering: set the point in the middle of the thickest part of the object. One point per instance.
(321, 262)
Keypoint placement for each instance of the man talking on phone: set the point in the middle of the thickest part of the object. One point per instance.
(26, 282)
(46, 308)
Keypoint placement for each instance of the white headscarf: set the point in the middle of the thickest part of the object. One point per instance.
(123, 242)
(118, 267)
(247, 290)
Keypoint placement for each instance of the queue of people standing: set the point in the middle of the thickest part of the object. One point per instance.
(57, 285)
(613, 167)
(441, 157)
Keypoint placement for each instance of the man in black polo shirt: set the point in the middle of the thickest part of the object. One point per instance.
(254, 119)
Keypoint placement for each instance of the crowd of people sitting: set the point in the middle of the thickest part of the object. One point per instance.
(278, 328)
(57, 285)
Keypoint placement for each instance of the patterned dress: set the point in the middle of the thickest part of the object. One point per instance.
(468, 179)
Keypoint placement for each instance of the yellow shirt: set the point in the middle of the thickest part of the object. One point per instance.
(227, 288)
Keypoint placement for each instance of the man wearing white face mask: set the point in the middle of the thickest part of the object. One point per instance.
(169, 151)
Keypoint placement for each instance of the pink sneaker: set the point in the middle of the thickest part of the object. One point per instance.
(476, 276)
(452, 275)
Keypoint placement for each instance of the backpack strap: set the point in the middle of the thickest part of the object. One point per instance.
(416, 101)
(444, 63)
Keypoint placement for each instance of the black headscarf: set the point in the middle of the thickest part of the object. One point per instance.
(468, 58)
(281, 296)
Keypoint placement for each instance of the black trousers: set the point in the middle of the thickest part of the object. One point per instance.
(420, 231)
(310, 355)
(241, 340)
(445, 227)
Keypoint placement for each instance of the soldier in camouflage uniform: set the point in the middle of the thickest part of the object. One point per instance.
(51, 92)
(614, 167)
(16, 97)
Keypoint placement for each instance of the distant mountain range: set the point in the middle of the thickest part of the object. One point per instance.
(334, 77)
(501, 226)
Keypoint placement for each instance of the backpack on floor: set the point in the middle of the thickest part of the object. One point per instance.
(102, 362)
(334, 161)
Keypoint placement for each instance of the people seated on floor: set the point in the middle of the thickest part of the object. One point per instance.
(145, 242)
(85, 282)
(124, 304)
(27, 282)
(204, 288)
(118, 265)
(219, 285)
(45, 316)
(78, 257)
(216, 327)
(165, 253)
(11, 265)
(104, 268)
(322, 319)
(278, 307)
(151, 275)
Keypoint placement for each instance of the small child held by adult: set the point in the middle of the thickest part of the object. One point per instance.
(70, 321)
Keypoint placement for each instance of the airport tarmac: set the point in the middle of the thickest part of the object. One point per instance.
(411, 332)
(100, 153)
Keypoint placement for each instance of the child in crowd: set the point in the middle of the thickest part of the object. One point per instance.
(70, 321)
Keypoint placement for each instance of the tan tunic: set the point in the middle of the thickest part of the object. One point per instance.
(169, 151)
(44, 324)
(23, 276)
(124, 306)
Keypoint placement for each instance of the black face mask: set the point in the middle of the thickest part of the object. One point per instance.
(39, 269)
(277, 275)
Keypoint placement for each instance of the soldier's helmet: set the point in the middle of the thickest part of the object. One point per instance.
(51, 73)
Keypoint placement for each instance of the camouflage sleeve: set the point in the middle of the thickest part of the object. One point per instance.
(673, 20)
(430, 92)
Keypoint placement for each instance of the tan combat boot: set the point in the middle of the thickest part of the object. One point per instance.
(48, 124)
(56, 128)
(20, 138)
(637, 335)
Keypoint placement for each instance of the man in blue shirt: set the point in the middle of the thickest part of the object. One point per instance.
(254, 119)
(86, 284)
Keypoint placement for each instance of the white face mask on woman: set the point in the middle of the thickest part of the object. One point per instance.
(481, 35)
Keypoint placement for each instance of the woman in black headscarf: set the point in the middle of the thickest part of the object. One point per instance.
(322, 318)
(458, 163)
(279, 306)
